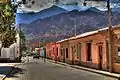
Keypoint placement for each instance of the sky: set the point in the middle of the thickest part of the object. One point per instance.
(38, 5)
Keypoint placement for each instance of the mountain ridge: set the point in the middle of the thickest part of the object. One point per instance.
(61, 26)
(29, 17)
(54, 10)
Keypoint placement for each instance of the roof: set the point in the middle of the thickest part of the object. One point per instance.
(87, 34)
(84, 34)
(62, 40)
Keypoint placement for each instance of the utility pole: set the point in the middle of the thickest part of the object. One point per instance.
(55, 54)
(75, 27)
(20, 41)
(74, 23)
(110, 37)
(110, 51)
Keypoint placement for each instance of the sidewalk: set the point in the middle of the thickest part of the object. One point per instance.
(88, 69)
(6, 68)
(1, 77)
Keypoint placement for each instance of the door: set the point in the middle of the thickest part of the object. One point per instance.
(72, 55)
(100, 51)
(64, 55)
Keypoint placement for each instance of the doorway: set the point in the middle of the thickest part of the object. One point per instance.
(64, 55)
(100, 52)
(72, 54)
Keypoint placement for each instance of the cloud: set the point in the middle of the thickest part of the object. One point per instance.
(38, 5)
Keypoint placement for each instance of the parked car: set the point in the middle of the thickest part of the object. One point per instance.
(36, 56)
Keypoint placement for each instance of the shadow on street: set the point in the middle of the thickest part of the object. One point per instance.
(10, 71)
(5, 69)
(16, 70)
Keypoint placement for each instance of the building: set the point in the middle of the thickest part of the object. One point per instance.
(34, 44)
(49, 50)
(90, 49)
(64, 50)
(53, 50)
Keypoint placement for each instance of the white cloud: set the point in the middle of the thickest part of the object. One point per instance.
(35, 5)
(38, 5)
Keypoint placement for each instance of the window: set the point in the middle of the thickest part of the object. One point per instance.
(66, 52)
(89, 56)
(78, 50)
(74, 50)
(61, 52)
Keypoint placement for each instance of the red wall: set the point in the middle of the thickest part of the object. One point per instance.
(51, 49)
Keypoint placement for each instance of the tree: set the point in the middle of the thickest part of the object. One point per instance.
(4, 1)
(7, 21)
(22, 41)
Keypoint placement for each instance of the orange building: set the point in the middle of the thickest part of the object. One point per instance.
(52, 50)
(49, 50)
(64, 50)
(90, 49)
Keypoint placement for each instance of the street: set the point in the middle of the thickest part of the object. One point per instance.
(37, 69)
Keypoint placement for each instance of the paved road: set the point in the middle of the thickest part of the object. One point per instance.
(39, 70)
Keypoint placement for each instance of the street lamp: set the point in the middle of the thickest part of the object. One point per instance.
(109, 34)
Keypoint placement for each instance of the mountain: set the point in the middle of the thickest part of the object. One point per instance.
(31, 16)
(94, 9)
(54, 10)
(73, 7)
(116, 9)
(61, 26)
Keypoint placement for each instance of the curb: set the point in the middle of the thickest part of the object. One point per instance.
(88, 69)
(98, 71)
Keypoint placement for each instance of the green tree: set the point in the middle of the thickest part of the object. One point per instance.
(22, 40)
(7, 21)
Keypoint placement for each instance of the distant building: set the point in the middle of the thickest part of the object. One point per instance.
(34, 44)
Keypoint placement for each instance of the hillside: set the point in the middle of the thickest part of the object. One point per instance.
(61, 26)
